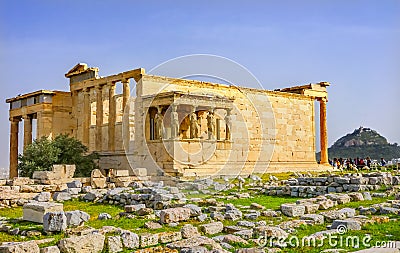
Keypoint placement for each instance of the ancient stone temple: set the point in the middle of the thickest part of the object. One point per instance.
(176, 126)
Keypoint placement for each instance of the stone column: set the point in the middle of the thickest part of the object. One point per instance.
(126, 93)
(14, 147)
(126, 111)
(111, 117)
(323, 131)
(74, 94)
(86, 116)
(44, 124)
(228, 125)
(99, 118)
(27, 130)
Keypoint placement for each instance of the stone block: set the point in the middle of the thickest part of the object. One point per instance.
(119, 173)
(293, 210)
(174, 215)
(54, 222)
(74, 184)
(114, 244)
(43, 197)
(90, 243)
(310, 208)
(356, 196)
(367, 196)
(76, 218)
(130, 240)
(20, 247)
(148, 239)
(389, 210)
(189, 231)
(50, 249)
(19, 181)
(61, 196)
(35, 211)
(270, 231)
(167, 237)
(140, 172)
(194, 210)
(134, 208)
(212, 228)
(348, 224)
(316, 218)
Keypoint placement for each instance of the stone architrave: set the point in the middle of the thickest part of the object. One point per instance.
(211, 125)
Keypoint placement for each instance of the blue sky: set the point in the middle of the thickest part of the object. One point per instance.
(352, 44)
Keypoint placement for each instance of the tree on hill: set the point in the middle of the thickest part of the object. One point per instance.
(42, 154)
(361, 143)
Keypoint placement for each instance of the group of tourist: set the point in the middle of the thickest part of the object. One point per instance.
(356, 163)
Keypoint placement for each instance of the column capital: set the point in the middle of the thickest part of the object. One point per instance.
(14, 119)
(27, 116)
(125, 81)
(323, 99)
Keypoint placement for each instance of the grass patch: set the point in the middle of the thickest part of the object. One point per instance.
(270, 202)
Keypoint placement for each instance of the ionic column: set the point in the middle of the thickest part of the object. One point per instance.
(228, 125)
(126, 93)
(14, 147)
(99, 118)
(75, 116)
(86, 117)
(44, 124)
(126, 110)
(111, 117)
(323, 131)
(27, 130)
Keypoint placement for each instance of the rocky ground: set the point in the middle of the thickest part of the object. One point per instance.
(304, 213)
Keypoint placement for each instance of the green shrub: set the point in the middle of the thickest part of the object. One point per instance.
(43, 153)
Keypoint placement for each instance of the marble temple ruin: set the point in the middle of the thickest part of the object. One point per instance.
(177, 127)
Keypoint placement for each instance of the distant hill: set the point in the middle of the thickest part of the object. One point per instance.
(363, 142)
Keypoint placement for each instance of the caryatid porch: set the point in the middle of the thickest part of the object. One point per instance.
(183, 130)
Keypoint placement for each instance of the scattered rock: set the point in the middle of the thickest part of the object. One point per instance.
(148, 239)
(175, 215)
(293, 210)
(76, 218)
(54, 222)
(152, 225)
(50, 249)
(348, 224)
(189, 231)
(114, 244)
(104, 216)
(19, 247)
(130, 240)
(90, 243)
(212, 228)
(43, 197)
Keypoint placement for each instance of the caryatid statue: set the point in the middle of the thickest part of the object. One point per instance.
(174, 122)
(211, 125)
(194, 125)
(158, 119)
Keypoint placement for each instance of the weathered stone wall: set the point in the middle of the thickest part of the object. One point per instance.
(316, 186)
(269, 129)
